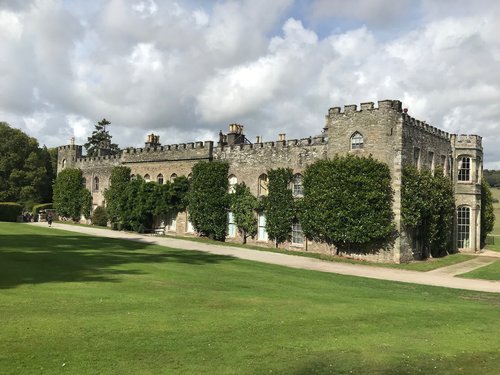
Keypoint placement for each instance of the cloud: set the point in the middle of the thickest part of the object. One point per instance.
(186, 69)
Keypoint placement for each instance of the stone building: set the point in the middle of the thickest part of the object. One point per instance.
(386, 132)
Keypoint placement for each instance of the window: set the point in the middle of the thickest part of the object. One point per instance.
(478, 170)
(147, 177)
(232, 183)
(64, 163)
(96, 183)
(297, 235)
(416, 157)
(297, 189)
(263, 188)
(443, 163)
(159, 179)
(173, 176)
(262, 232)
(464, 169)
(463, 227)
(430, 160)
(231, 226)
(84, 182)
(356, 141)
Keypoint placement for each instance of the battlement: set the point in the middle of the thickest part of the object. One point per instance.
(310, 141)
(422, 125)
(385, 105)
(467, 140)
(166, 148)
(70, 147)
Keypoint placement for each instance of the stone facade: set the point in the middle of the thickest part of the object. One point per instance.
(386, 132)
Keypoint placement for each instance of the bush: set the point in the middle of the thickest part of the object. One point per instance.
(100, 217)
(114, 226)
(39, 207)
(9, 211)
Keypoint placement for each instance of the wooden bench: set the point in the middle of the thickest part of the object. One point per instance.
(157, 231)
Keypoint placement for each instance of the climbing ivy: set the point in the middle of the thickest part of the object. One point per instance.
(487, 211)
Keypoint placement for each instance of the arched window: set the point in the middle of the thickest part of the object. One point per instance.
(232, 183)
(478, 170)
(159, 179)
(463, 227)
(84, 182)
(263, 188)
(63, 163)
(173, 176)
(96, 183)
(464, 168)
(147, 177)
(356, 141)
(297, 189)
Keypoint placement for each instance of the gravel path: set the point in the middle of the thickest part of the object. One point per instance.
(443, 277)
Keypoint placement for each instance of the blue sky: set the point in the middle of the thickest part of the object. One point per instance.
(186, 69)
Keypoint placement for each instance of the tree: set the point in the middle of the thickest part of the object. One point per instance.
(100, 139)
(487, 211)
(115, 194)
(208, 199)
(71, 199)
(25, 168)
(427, 208)
(347, 202)
(243, 205)
(279, 205)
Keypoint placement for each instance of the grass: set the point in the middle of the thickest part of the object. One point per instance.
(88, 305)
(489, 272)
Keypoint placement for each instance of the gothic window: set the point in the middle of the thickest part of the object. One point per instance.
(297, 235)
(478, 170)
(159, 179)
(231, 225)
(463, 227)
(356, 141)
(297, 189)
(464, 169)
(96, 183)
(262, 232)
(430, 160)
(232, 183)
(173, 176)
(64, 163)
(263, 187)
(416, 157)
(147, 177)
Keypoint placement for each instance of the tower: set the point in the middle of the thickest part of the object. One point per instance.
(67, 155)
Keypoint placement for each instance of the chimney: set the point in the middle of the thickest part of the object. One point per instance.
(258, 139)
(282, 137)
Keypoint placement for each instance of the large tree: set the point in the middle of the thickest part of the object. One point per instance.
(279, 205)
(487, 211)
(243, 205)
(100, 139)
(71, 198)
(26, 173)
(115, 194)
(347, 202)
(208, 200)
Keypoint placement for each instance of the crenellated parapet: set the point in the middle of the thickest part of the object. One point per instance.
(467, 141)
(280, 144)
(383, 105)
(425, 127)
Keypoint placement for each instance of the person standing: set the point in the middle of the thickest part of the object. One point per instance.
(49, 219)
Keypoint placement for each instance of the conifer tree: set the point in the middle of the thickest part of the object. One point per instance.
(100, 139)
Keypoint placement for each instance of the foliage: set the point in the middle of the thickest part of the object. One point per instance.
(492, 177)
(171, 197)
(347, 202)
(9, 211)
(26, 173)
(487, 211)
(71, 199)
(115, 194)
(279, 205)
(427, 209)
(99, 216)
(208, 199)
(39, 207)
(243, 205)
(100, 139)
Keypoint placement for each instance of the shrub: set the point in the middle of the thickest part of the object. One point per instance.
(39, 207)
(9, 211)
(487, 211)
(100, 217)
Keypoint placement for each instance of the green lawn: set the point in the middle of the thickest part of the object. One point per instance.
(91, 305)
(489, 272)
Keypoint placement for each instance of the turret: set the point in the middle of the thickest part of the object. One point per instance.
(67, 155)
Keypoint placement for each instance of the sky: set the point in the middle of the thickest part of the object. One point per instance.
(187, 69)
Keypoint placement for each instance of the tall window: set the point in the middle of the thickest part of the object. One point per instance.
(263, 187)
(430, 160)
(416, 157)
(262, 232)
(84, 182)
(478, 170)
(464, 169)
(232, 183)
(297, 234)
(356, 141)
(463, 227)
(231, 225)
(96, 183)
(159, 179)
(64, 163)
(173, 176)
(297, 189)
(147, 177)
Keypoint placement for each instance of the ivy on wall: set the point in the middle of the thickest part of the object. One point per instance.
(487, 211)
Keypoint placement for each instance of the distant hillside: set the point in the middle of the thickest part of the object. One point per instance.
(493, 177)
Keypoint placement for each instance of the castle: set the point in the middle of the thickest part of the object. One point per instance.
(386, 132)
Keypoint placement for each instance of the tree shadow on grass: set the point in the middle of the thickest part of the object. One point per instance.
(40, 258)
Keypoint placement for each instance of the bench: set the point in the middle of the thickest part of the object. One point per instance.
(157, 231)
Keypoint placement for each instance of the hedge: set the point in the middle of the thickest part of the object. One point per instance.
(39, 207)
(9, 211)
